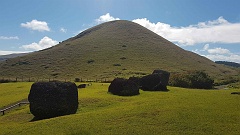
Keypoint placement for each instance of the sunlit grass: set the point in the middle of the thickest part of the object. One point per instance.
(178, 111)
(13, 92)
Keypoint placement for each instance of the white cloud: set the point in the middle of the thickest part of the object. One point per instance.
(10, 52)
(9, 38)
(216, 31)
(220, 57)
(218, 51)
(45, 42)
(63, 30)
(219, 21)
(105, 18)
(36, 25)
(206, 47)
(218, 54)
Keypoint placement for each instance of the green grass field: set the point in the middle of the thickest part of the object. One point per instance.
(178, 111)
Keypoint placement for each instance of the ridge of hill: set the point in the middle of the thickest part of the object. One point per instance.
(228, 63)
(9, 56)
(112, 49)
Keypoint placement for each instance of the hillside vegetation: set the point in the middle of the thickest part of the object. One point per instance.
(109, 50)
(178, 111)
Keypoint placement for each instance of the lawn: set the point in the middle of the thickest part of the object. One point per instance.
(13, 92)
(178, 111)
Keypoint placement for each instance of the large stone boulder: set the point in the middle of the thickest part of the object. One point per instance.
(136, 80)
(123, 87)
(52, 99)
(164, 76)
(153, 82)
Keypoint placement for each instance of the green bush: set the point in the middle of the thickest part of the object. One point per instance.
(192, 79)
(90, 61)
(4, 81)
(77, 80)
(116, 64)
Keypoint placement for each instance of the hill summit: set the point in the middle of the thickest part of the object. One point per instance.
(112, 49)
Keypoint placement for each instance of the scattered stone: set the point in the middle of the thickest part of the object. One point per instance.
(123, 87)
(136, 80)
(82, 86)
(154, 82)
(164, 76)
(52, 99)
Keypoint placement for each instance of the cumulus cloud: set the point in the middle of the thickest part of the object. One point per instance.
(220, 57)
(216, 31)
(63, 30)
(36, 25)
(105, 18)
(9, 38)
(45, 42)
(218, 51)
(218, 54)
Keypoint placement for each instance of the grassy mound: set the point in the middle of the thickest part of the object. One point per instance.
(110, 50)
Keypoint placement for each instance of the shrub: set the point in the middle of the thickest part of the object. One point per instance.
(77, 80)
(179, 80)
(90, 61)
(200, 80)
(4, 80)
(192, 79)
(116, 64)
(123, 58)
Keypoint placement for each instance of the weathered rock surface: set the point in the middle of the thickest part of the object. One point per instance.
(52, 99)
(123, 87)
(157, 81)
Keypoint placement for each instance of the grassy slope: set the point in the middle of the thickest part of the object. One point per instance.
(13, 92)
(179, 111)
(106, 44)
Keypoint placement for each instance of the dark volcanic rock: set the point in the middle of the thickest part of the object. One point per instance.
(164, 76)
(136, 80)
(51, 99)
(153, 82)
(123, 87)
(82, 86)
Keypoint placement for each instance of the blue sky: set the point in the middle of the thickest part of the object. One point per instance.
(210, 28)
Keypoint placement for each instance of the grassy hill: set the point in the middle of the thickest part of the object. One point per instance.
(179, 111)
(109, 50)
